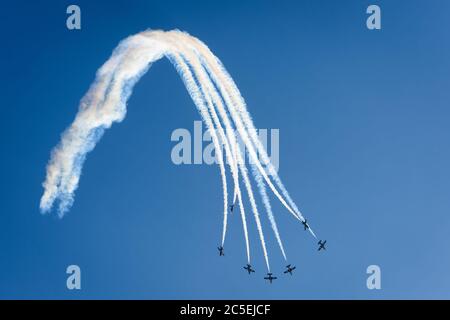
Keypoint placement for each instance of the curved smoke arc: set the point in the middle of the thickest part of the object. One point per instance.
(218, 101)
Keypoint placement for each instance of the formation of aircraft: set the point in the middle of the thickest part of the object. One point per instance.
(249, 268)
(289, 269)
(321, 245)
(270, 277)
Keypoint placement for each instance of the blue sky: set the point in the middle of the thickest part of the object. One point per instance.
(363, 120)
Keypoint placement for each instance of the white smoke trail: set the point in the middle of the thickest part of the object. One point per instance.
(210, 87)
(190, 60)
(210, 95)
(233, 98)
(199, 99)
(104, 104)
(222, 81)
(196, 94)
(204, 80)
(204, 84)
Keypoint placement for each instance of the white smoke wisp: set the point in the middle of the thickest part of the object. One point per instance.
(217, 99)
(104, 104)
